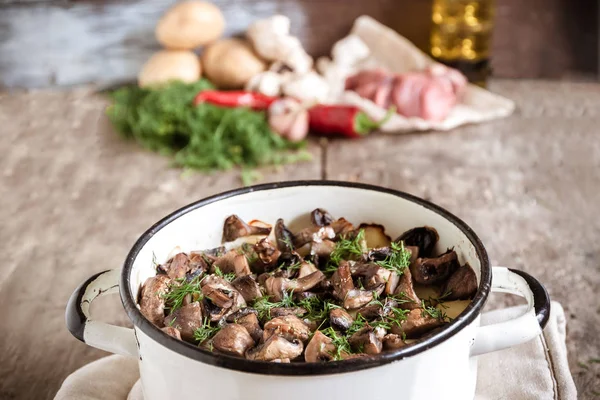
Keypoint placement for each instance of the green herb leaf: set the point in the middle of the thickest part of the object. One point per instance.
(178, 292)
(398, 259)
(228, 277)
(206, 331)
(349, 247)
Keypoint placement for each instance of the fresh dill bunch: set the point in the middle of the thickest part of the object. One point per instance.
(398, 259)
(339, 341)
(206, 331)
(349, 247)
(180, 290)
(228, 277)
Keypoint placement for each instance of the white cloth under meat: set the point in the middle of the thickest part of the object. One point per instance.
(391, 51)
(537, 370)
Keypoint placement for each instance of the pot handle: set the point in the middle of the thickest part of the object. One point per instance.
(111, 338)
(523, 328)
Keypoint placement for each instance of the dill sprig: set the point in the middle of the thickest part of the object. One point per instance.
(347, 248)
(433, 312)
(228, 277)
(263, 305)
(317, 309)
(398, 259)
(340, 342)
(180, 290)
(206, 331)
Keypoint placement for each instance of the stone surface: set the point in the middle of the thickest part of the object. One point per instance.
(74, 197)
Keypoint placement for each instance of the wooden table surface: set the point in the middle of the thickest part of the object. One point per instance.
(74, 197)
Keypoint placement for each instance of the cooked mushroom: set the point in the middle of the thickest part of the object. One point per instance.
(373, 276)
(416, 324)
(406, 292)
(252, 325)
(275, 347)
(152, 302)
(341, 227)
(430, 271)
(375, 235)
(313, 234)
(197, 266)
(222, 295)
(233, 262)
(425, 238)
(234, 317)
(414, 252)
(233, 339)
(340, 319)
(235, 228)
(370, 311)
(177, 266)
(357, 298)
(283, 311)
(462, 284)
(277, 286)
(247, 287)
(392, 341)
(186, 319)
(320, 217)
(367, 341)
(392, 283)
(290, 327)
(209, 255)
(283, 236)
(267, 253)
(320, 348)
(173, 332)
(306, 268)
(322, 249)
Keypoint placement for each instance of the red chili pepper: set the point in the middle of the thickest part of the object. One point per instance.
(343, 120)
(239, 98)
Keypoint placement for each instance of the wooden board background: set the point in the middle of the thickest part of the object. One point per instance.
(67, 42)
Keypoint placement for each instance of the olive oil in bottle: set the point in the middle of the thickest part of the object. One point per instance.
(461, 36)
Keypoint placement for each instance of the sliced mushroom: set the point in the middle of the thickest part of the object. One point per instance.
(416, 324)
(250, 322)
(373, 276)
(322, 249)
(209, 255)
(186, 319)
(247, 287)
(430, 271)
(366, 341)
(224, 298)
(283, 311)
(425, 238)
(462, 284)
(198, 265)
(233, 339)
(234, 228)
(283, 236)
(275, 347)
(152, 302)
(313, 234)
(306, 268)
(392, 283)
(233, 317)
(406, 292)
(357, 298)
(173, 332)
(177, 266)
(339, 319)
(277, 286)
(370, 311)
(375, 235)
(341, 227)
(341, 280)
(320, 348)
(392, 341)
(233, 262)
(267, 253)
(290, 327)
(320, 217)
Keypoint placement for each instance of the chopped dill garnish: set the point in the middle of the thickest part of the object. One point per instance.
(349, 247)
(263, 305)
(339, 341)
(433, 312)
(179, 291)
(206, 331)
(228, 277)
(398, 259)
(316, 309)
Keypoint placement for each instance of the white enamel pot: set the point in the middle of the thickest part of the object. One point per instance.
(440, 366)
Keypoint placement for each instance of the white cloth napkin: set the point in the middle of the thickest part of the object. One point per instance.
(537, 370)
(391, 51)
